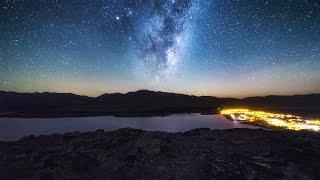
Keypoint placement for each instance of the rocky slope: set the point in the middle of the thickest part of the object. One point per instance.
(137, 154)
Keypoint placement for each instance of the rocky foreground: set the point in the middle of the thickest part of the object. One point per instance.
(137, 154)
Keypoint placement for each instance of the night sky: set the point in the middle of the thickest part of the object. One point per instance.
(232, 48)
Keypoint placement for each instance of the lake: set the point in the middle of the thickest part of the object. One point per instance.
(15, 128)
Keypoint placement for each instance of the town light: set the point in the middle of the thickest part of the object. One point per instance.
(286, 121)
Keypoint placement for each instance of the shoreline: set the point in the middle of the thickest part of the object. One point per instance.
(127, 114)
(134, 114)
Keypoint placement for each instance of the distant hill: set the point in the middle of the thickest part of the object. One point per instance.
(141, 103)
(12, 101)
(149, 99)
(296, 100)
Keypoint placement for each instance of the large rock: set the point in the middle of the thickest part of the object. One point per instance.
(148, 145)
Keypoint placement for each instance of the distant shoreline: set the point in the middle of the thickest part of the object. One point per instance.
(27, 116)
(134, 114)
(130, 114)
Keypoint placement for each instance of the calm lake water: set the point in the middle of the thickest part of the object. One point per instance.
(15, 128)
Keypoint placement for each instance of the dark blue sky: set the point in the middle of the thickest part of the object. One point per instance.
(203, 47)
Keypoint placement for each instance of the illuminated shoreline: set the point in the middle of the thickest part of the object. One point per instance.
(273, 120)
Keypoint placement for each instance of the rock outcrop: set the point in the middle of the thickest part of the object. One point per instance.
(136, 154)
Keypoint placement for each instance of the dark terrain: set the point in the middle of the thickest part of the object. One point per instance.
(137, 154)
(144, 103)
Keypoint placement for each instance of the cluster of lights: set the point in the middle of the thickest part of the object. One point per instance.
(286, 121)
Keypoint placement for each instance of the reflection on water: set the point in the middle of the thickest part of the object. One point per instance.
(15, 128)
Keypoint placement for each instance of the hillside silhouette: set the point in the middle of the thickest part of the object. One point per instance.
(143, 103)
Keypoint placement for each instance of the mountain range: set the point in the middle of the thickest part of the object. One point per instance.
(143, 103)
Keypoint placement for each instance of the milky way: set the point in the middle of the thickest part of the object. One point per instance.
(161, 35)
(204, 47)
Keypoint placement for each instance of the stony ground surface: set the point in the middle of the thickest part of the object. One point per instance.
(136, 154)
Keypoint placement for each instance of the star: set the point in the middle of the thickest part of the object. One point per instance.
(169, 45)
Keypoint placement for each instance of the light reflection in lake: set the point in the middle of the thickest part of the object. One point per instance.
(15, 128)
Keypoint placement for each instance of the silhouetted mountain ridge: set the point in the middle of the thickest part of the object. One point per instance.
(13, 101)
(142, 102)
(308, 99)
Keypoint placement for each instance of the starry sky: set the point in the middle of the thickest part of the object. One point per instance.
(224, 48)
